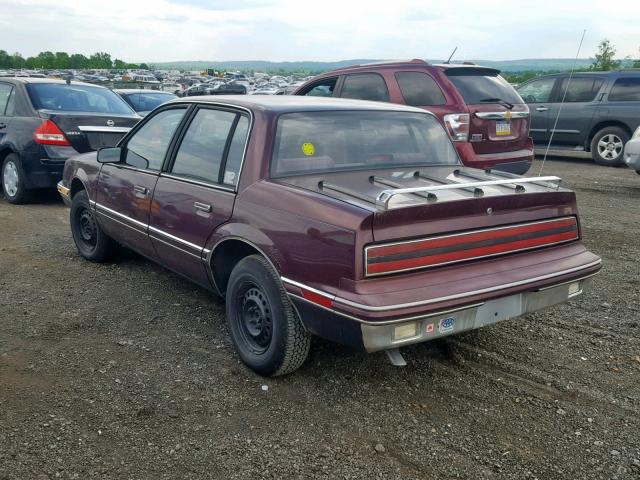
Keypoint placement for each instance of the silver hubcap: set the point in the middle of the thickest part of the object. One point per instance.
(10, 179)
(610, 147)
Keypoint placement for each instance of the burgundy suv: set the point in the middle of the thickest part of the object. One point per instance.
(484, 115)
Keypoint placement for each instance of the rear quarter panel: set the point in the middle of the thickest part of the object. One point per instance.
(84, 168)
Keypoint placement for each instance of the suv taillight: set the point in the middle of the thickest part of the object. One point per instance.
(48, 133)
(458, 126)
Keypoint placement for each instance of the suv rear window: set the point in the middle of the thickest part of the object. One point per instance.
(482, 86)
(76, 98)
(324, 142)
(625, 90)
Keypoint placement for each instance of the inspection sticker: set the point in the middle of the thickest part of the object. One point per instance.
(308, 149)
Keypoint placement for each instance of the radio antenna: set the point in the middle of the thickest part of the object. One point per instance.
(451, 56)
(564, 94)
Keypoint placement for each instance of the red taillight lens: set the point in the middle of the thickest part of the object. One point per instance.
(460, 247)
(458, 126)
(48, 133)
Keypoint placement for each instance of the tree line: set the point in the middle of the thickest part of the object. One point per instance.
(64, 61)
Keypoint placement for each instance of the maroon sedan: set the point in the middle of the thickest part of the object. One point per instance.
(350, 220)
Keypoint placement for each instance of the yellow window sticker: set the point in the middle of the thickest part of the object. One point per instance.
(308, 149)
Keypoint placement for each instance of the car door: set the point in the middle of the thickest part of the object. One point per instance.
(538, 95)
(125, 189)
(574, 114)
(197, 192)
(7, 103)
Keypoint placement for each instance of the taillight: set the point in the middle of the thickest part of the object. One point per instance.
(48, 133)
(458, 126)
(460, 247)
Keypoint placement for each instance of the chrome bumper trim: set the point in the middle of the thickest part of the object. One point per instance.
(99, 129)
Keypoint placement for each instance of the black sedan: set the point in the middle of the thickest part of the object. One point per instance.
(43, 122)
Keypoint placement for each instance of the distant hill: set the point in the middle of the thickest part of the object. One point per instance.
(527, 64)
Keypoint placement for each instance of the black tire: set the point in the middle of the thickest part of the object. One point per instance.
(92, 243)
(607, 146)
(265, 329)
(13, 187)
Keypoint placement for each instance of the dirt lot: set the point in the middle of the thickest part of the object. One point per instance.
(126, 371)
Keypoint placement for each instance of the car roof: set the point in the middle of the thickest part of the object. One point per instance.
(51, 81)
(633, 72)
(139, 90)
(296, 103)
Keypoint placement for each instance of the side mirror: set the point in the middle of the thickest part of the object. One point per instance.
(110, 155)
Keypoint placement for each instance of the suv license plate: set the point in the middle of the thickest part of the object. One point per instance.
(503, 128)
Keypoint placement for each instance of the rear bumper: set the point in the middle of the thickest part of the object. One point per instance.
(517, 161)
(470, 296)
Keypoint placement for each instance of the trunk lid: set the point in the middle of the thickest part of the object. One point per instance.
(91, 131)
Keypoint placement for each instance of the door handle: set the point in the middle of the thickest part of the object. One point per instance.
(140, 191)
(542, 109)
(3, 126)
(203, 207)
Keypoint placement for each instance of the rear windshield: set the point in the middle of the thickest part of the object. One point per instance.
(324, 142)
(76, 98)
(144, 102)
(478, 86)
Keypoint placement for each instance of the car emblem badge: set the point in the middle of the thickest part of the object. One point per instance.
(110, 123)
(508, 116)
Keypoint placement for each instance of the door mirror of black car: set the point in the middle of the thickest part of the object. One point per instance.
(110, 155)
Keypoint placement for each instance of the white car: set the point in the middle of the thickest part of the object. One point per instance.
(632, 152)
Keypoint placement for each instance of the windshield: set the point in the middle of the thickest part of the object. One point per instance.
(144, 102)
(76, 98)
(478, 86)
(325, 142)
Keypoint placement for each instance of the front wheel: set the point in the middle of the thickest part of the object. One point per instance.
(265, 329)
(607, 146)
(13, 181)
(92, 243)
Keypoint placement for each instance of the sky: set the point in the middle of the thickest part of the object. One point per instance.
(327, 30)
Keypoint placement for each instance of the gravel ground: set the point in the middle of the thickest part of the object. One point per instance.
(126, 371)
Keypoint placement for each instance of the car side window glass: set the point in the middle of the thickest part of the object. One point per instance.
(419, 89)
(365, 86)
(236, 152)
(625, 90)
(11, 104)
(147, 147)
(203, 146)
(538, 91)
(5, 94)
(580, 89)
(324, 88)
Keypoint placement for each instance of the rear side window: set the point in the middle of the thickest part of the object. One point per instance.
(76, 98)
(625, 90)
(324, 88)
(5, 94)
(365, 86)
(148, 146)
(236, 152)
(419, 89)
(202, 150)
(581, 89)
(480, 86)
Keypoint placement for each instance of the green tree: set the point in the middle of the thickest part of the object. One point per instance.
(78, 61)
(45, 60)
(100, 60)
(605, 57)
(62, 60)
(6, 61)
(17, 60)
(144, 66)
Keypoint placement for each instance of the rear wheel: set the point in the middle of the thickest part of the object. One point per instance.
(92, 243)
(13, 180)
(607, 146)
(265, 329)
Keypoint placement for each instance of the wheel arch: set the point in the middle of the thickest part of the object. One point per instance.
(226, 254)
(604, 124)
(76, 186)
